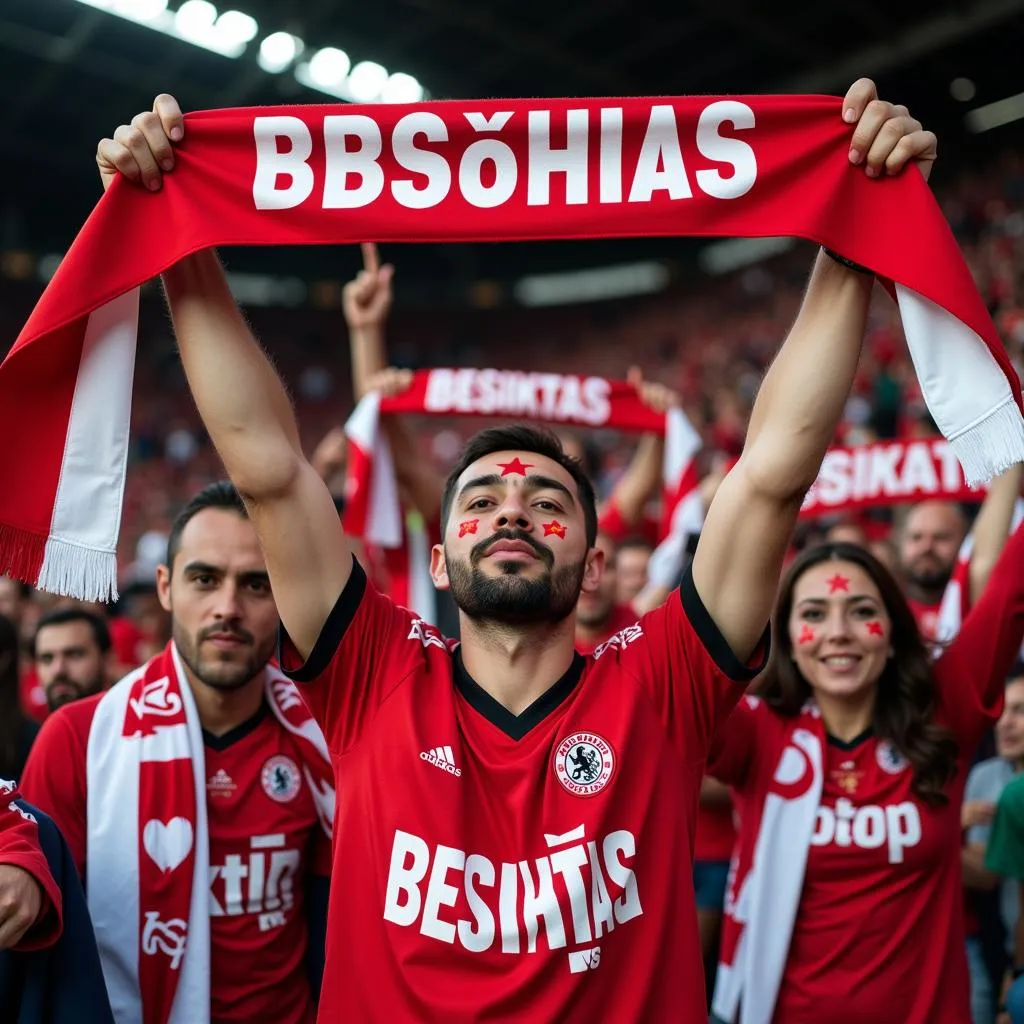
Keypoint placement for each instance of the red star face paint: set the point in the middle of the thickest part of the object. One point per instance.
(555, 528)
(467, 526)
(875, 628)
(838, 582)
(515, 466)
(806, 635)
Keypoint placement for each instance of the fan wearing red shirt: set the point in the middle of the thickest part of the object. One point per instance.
(928, 547)
(599, 616)
(877, 912)
(515, 821)
(224, 623)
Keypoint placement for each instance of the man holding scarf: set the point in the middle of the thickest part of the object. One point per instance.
(517, 815)
(196, 797)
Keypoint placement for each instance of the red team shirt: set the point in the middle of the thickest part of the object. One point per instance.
(515, 868)
(263, 840)
(879, 933)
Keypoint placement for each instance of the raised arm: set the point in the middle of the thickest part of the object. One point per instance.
(243, 404)
(366, 301)
(992, 527)
(749, 524)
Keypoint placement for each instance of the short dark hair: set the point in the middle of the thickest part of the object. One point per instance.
(634, 540)
(519, 438)
(219, 494)
(62, 616)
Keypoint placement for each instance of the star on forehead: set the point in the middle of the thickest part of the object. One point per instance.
(515, 466)
(875, 628)
(838, 582)
(554, 527)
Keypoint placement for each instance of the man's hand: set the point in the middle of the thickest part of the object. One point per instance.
(331, 453)
(144, 149)
(886, 137)
(658, 397)
(977, 812)
(390, 382)
(21, 899)
(367, 299)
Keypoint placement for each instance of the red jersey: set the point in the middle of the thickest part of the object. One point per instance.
(261, 844)
(522, 867)
(32, 694)
(613, 523)
(716, 833)
(621, 617)
(927, 617)
(882, 893)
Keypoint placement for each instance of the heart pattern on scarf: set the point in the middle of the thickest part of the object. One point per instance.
(167, 843)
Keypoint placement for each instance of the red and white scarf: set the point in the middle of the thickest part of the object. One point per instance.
(766, 879)
(466, 170)
(147, 841)
(372, 509)
(888, 473)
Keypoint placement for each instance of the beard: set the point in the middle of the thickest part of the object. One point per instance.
(512, 599)
(223, 670)
(928, 572)
(70, 690)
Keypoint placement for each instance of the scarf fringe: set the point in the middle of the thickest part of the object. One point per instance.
(77, 571)
(21, 553)
(991, 445)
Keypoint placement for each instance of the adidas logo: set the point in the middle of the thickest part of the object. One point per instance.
(443, 758)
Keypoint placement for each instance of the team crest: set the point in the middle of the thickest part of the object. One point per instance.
(584, 763)
(889, 758)
(280, 778)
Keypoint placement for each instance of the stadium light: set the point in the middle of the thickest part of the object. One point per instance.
(614, 282)
(278, 50)
(995, 115)
(229, 33)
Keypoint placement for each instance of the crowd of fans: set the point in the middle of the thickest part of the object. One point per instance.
(707, 343)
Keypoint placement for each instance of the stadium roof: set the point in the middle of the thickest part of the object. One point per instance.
(71, 71)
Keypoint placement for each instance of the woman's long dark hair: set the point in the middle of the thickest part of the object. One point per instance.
(11, 716)
(905, 706)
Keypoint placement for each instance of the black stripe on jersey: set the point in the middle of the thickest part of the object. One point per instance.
(515, 726)
(711, 636)
(327, 642)
(855, 742)
(239, 732)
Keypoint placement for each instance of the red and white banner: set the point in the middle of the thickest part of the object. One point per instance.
(888, 473)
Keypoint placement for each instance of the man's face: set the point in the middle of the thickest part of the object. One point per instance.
(631, 563)
(515, 548)
(929, 544)
(223, 616)
(1010, 727)
(595, 607)
(69, 662)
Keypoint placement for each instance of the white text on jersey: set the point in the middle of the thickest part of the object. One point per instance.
(578, 893)
(869, 827)
(271, 872)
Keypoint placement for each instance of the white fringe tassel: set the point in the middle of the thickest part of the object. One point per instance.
(992, 444)
(75, 571)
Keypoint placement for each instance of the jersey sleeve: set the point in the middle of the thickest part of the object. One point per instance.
(54, 779)
(1005, 851)
(367, 647)
(971, 672)
(679, 655)
(19, 847)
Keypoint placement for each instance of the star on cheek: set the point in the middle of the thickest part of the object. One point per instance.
(467, 526)
(875, 628)
(806, 636)
(515, 466)
(554, 527)
(838, 582)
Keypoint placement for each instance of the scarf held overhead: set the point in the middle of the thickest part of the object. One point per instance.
(147, 831)
(489, 170)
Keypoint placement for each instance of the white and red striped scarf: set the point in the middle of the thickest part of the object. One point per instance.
(472, 170)
(147, 840)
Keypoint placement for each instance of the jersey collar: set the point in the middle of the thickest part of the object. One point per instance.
(516, 726)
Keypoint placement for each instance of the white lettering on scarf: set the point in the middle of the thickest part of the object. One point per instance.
(486, 174)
